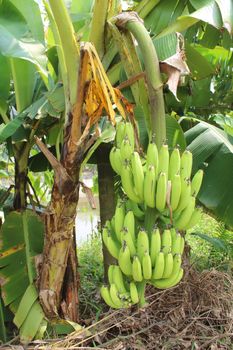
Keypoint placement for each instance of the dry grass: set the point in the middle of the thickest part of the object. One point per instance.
(195, 315)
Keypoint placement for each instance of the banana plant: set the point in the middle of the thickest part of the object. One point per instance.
(40, 106)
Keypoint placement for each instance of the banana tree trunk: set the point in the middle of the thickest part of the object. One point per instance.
(59, 277)
(106, 196)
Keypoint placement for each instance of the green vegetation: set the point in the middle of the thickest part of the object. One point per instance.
(90, 267)
(211, 245)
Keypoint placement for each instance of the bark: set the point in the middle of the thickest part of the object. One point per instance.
(106, 196)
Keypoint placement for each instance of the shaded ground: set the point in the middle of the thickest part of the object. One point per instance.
(195, 315)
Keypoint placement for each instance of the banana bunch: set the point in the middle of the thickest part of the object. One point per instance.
(124, 146)
(151, 257)
(168, 187)
(119, 293)
(160, 181)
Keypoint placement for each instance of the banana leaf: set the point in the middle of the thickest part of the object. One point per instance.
(2, 323)
(21, 240)
(212, 150)
(51, 104)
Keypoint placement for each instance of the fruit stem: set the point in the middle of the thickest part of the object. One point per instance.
(151, 217)
(134, 24)
(141, 292)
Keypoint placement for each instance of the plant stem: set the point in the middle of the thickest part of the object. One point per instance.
(141, 291)
(132, 67)
(60, 53)
(69, 44)
(133, 23)
(114, 72)
(151, 216)
(97, 32)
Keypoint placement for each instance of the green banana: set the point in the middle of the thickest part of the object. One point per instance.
(115, 160)
(177, 261)
(173, 279)
(163, 160)
(126, 236)
(186, 164)
(113, 247)
(161, 192)
(169, 282)
(124, 260)
(146, 266)
(112, 223)
(128, 184)
(134, 293)
(129, 223)
(120, 133)
(138, 213)
(129, 132)
(114, 294)
(137, 269)
(149, 187)
(196, 183)
(159, 266)
(168, 265)
(195, 218)
(182, 221)
(166, 241)
(176, 244)
(105, 234)
(118, 279)
(174, 164)
(104, 292)
(152, 157)
(175, 191)
(173, 233)
(126, 149)
(110, 273)
(119, 219)
(182, 245)
(138, 174)
(185, 195)
(142, 244)
(155, 245)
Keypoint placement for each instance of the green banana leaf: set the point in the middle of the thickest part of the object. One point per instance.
(212, 150)
(51, 104)
(16, 41)
(21, 240)
(5, 78)
(31, 12)
(210, 13)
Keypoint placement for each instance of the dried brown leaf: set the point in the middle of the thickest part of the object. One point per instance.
(175, 66)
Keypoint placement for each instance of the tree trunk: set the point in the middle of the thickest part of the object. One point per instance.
(106, 196)
(59, 266)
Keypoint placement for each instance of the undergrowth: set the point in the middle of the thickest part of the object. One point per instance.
(90, 260)
(211, 245)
